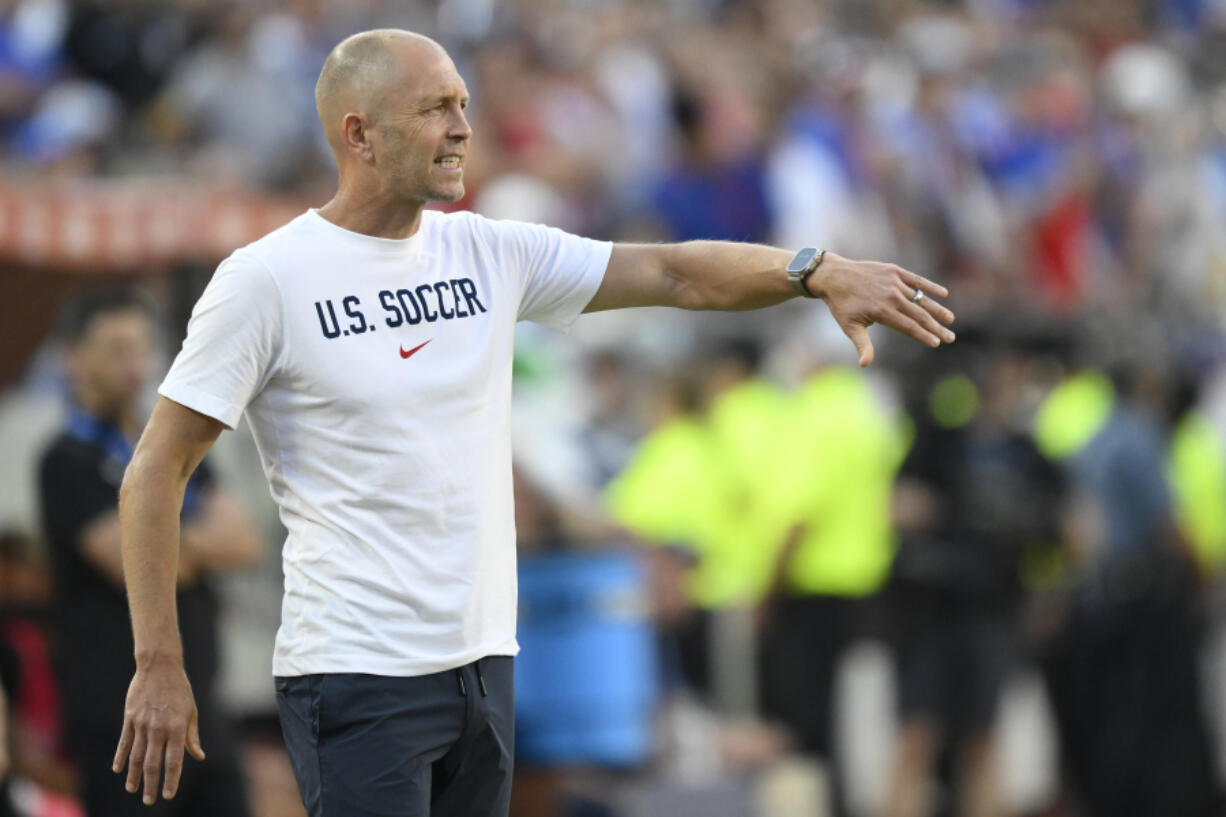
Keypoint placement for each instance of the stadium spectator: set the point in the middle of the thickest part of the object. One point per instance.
(832, 559)
(972, 496)
(109, 339)
(6, 755)
(26, 629)
(1122, 667)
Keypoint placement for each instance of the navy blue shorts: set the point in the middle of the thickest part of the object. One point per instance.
(439, 745)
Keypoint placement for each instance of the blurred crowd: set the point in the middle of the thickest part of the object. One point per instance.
(754, 580)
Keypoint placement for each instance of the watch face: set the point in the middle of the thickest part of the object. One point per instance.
(801, 261)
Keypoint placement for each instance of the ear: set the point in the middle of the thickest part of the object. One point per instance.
(356, 136)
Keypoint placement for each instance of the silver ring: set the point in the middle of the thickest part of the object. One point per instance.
(919, 296)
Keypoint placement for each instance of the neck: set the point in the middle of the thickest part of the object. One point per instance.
(375, 214)
(122, 417)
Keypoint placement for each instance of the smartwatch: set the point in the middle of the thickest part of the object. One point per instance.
(802, 265)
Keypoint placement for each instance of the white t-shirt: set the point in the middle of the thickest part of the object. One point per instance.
(376, 377)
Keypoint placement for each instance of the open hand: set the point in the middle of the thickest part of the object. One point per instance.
(861, 293)
(159, 720)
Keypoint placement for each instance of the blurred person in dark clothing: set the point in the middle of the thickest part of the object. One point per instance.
(110, 350)
(130, 47)
(6, 762)
(1121, 654)
(26, 600)
(22, 793)
(8, 681)
(973, 494)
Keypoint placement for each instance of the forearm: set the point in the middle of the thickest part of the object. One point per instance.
(102, 546)
(149, 504)
(727, 276)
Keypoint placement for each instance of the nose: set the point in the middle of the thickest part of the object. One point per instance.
(459, 126)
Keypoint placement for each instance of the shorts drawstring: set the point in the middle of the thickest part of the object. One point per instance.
(459, 676)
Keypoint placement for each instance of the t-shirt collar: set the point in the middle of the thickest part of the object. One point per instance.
(391, 246)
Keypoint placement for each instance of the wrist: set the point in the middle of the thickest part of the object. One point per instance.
(160, 656)
(817, 283)
(802, 271)
(813, 286)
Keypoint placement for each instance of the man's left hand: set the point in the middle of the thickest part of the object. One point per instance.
(861, 293)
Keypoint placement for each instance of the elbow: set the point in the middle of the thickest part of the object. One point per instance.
(693, 296)
(680, 290)
(146, 475)
(132, 485)
(699, 295)
(689, 298)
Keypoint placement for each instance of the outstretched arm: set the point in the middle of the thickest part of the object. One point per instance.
(160, 713)
(729, 276)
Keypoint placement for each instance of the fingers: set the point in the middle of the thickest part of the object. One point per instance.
(925, 319)
(859, 336)
(145, 748)
(905, 316)
(174, 766)
(936, 309)
(920, 282)
(193, 737)
(136, 760)
(125, 745)
(153, 765)
(902, 321)
(882, 293)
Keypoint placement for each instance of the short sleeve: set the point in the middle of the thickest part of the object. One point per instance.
(558, 272)
(232, 342)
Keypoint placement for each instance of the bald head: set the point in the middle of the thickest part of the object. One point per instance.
(392, 107)
(361, 69)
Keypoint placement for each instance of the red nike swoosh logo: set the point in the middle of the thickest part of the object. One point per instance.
(406, 355)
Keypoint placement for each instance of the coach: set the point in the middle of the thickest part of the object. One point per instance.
(369, 344)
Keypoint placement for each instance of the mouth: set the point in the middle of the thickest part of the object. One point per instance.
(452, 162)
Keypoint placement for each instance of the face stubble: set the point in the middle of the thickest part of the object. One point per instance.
(410, 166)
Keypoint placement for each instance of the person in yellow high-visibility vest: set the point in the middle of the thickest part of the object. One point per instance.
(702, 479)
(835, 554)
(669, 491)
(1196, 467)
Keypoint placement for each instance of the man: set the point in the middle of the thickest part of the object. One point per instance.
(109, 340)
(973, 497)
(1122, 658)
(829, 560)
(369, 343)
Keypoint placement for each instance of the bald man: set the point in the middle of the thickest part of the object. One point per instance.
(368, 344)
